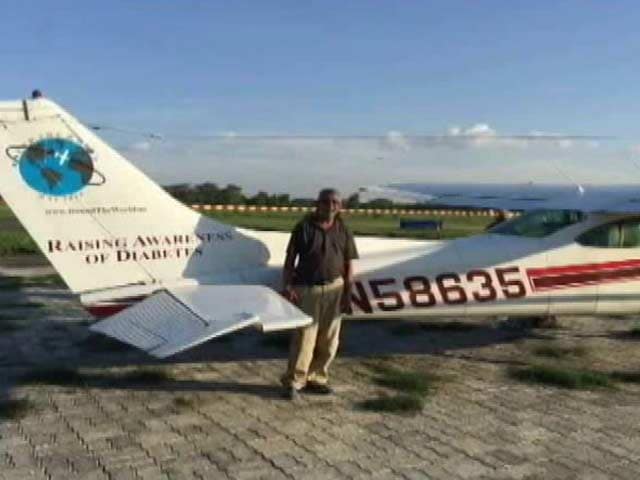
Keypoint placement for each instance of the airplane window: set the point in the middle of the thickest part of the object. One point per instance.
(604, 236)
(625, 234)
(538, 223)
(631, 234)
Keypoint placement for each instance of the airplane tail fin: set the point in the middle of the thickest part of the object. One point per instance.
(99, 220)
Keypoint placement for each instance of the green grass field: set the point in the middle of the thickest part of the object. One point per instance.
(16, 243)
(360, 224)
(14, 240)
(5, 212)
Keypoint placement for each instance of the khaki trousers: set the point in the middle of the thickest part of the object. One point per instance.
(314, 347)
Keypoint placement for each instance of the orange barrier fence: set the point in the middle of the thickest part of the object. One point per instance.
(349, 211)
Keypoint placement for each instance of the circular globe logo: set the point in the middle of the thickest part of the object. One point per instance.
(56, 166)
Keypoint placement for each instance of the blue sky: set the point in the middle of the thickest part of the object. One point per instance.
(349, 67)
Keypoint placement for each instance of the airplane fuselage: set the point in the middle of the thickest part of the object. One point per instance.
(483, 275)
(494, 274)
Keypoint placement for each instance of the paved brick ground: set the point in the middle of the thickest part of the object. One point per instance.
(221, 417)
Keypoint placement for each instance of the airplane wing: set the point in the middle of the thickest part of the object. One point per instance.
(177, 318)
(622, 199)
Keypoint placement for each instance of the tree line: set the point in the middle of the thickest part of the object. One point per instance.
(211, 194)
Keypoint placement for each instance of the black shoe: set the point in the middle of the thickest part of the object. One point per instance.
(292, 393)
(319, 389)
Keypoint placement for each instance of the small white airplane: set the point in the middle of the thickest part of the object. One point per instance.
(167, 278)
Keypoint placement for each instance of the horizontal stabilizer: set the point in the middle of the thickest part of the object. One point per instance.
(178, 318)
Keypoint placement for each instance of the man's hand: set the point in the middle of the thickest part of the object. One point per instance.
(345, 304)
(290, 294)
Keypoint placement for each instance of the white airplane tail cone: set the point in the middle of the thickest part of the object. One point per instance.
(99, 220)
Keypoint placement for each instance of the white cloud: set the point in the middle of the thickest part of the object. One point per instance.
(554, 139)
(480, 130)
(141, 146)
(301, 166)
(477, 135)
(475, 130)
(482, 135)
(565, 144)
(228, 134)
(394, 139)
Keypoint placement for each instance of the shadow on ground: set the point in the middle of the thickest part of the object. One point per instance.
(359, 339)
(59, 341)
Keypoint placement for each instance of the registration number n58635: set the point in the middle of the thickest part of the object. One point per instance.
(418, 291)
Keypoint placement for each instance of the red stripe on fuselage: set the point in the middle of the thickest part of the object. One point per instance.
(102, 311)
(106, 309)
(589, 267)
(579, 275)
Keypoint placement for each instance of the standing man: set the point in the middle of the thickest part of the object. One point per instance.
(320, 284)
